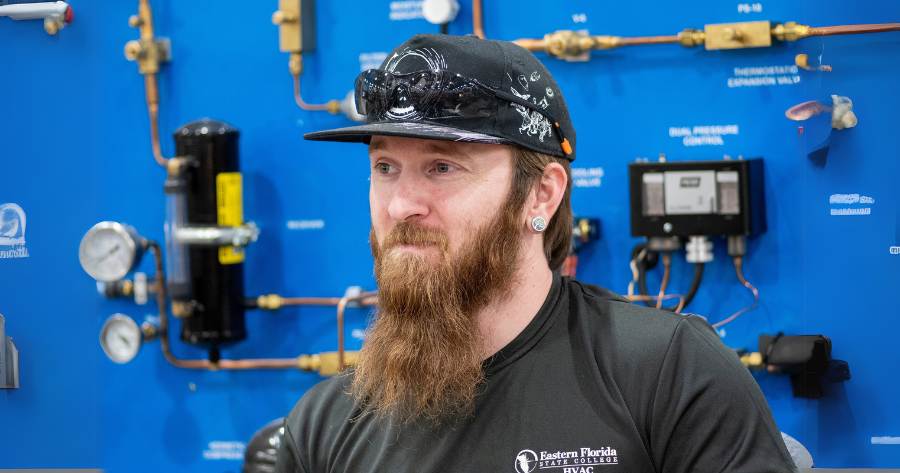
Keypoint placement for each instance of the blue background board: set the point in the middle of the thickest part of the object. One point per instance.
(74, 150)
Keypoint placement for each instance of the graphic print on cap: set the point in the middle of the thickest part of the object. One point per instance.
(533, 122)
(404, 107)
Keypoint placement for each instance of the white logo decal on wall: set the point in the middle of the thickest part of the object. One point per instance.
(12, 232)
(582, 460)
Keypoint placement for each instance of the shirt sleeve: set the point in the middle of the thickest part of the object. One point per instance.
(708, 413)
(287, 461)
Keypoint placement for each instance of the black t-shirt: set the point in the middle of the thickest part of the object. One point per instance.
(593, 384)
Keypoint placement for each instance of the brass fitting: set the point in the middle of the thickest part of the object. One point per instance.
(334, 107)
(690, 38)
(181, 309)
(752, 360)
(149, 331)
(295, 64)
(269, 302)
(606, 42)
(790, 31)
(326, 363)
(175, 166)
(568, 44)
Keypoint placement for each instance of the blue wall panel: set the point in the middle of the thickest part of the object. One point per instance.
(74, 150)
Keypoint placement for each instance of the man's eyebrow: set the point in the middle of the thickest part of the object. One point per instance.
(432, 147)
(439, 147)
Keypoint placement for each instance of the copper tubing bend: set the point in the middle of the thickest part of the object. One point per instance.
(250, 364)
(365, 299)
(477, 19)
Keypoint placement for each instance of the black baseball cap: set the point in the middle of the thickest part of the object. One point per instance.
(461, 88)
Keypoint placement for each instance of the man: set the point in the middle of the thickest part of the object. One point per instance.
(481, 358)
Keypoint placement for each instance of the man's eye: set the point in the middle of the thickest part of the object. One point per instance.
(443, 168)
(383, 168)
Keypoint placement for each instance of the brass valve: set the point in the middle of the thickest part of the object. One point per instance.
(147, 51)
(790, 31)
(568, 44)
(326, 363)
(148, 54)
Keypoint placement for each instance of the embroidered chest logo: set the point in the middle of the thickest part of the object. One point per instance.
(583, 460)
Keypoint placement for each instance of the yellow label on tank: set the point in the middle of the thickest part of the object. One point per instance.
(229, 198)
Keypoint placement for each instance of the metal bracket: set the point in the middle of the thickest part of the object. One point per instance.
(9, 360)
(217, 235)
(353, 292)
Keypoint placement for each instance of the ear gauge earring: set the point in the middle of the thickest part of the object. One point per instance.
(538, 224)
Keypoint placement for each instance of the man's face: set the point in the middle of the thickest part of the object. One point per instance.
(446, 239)
(452, 187)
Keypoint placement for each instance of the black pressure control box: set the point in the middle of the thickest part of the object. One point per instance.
(711, 198)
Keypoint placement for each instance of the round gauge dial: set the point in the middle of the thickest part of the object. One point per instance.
(109, 250)
(120, 338)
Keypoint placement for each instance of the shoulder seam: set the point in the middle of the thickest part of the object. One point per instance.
(292, 448)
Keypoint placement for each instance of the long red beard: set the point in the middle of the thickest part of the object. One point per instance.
(422, 356)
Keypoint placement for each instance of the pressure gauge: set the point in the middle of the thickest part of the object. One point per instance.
(120, 338)
(109, 250)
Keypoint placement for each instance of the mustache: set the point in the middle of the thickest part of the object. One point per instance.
(408, 233)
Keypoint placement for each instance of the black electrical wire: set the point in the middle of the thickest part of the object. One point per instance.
(644, 259)
(648, 262)
(695, 284)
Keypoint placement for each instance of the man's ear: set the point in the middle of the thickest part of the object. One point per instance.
(549, 192)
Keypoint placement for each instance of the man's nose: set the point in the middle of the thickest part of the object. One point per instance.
(409, 200)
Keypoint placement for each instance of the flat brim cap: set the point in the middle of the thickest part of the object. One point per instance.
(415, 129)
(505, 67)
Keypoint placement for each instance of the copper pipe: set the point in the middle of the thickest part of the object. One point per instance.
(602, 42)
(667, 268)
(315, 107)
(247, 364)
(786, 32)
(853, 29)
(152, 93)
(150, 86)
(146, 16)
(643, 40)
(477, 19)
(531, 44)
(365, 299)
(739, 270)
(325, 301)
